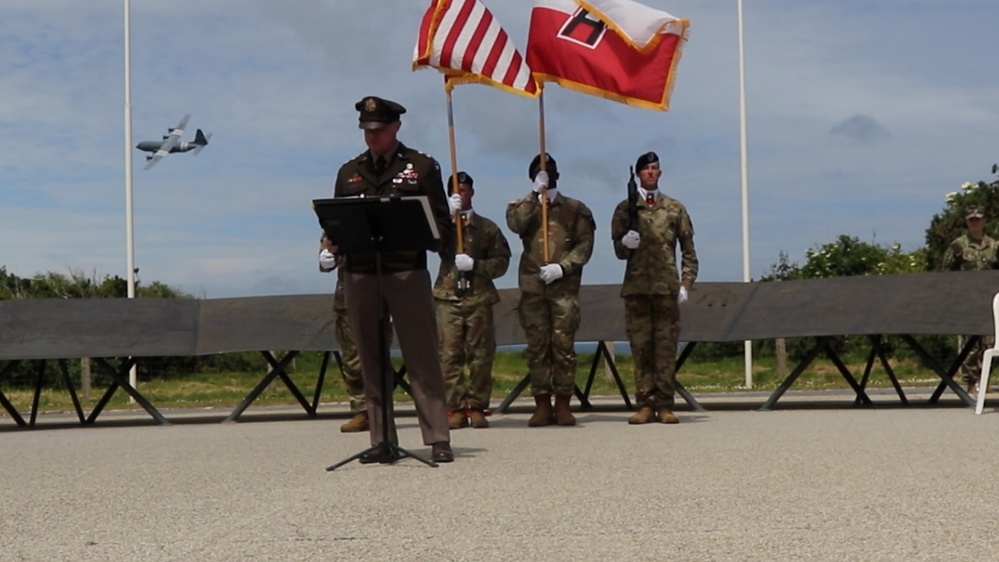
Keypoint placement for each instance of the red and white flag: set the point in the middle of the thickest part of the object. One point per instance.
(617, 49)
(463, 40)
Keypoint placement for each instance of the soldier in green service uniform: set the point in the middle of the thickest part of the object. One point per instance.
(350, 363)
(652, 287)
(464, 295)
(389, 168)
(549, 288)
(973, 251)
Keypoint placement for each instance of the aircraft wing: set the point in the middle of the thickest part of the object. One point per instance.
(179, 129)
(152, 160)
(169, 142)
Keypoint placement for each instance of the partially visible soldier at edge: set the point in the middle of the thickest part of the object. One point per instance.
(973, 251)
(350, 363)
(464, 295)
(549, 289)
(652, 288)
(389, 168)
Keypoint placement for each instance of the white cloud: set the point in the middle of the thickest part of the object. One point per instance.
(276, 83)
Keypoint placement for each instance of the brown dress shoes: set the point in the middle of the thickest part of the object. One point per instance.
(441, 452)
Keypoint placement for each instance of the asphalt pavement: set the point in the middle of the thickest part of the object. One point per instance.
(814, 479)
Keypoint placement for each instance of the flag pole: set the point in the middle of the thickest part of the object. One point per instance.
(544, 194)
(744, 168)
(129, 226)
(459, 243)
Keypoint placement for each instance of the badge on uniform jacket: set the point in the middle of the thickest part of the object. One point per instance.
(409, 174)
(354, 179)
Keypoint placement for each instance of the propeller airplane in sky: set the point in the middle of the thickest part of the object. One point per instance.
(172, 143)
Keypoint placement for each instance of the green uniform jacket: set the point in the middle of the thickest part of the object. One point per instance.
(408, 172)
(570, 242)
(651, 268)
(965, 255)
(485, 243)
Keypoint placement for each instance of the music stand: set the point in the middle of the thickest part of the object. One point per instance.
(373, 225)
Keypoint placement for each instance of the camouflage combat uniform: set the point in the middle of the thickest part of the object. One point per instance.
(549, 314)
(650, 289)
(350, 363)
(465, 325)
(964, 254)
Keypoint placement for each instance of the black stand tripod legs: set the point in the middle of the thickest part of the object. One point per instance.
(388, 453)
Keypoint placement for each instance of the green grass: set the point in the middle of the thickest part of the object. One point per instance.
(226, 390)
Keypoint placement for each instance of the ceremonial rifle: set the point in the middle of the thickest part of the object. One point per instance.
(632, 201)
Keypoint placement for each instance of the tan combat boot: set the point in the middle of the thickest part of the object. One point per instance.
(478, 418)
(542, 411)
(667, 416)
(457, 419)
(645, 414)
(563, 415)
(356, 424)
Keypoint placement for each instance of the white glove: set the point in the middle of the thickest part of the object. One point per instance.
(464, 262)
(541, 181)
(327, 259)
(550, 272)
(682, 297)
(631, 239)
(454, 203)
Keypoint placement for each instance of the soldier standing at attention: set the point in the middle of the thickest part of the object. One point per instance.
(389, 168)
(549, 288)
(350, 363)
(972, 251)
(652, 289)
(464, 295)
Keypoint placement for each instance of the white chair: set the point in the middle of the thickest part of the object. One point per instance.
(983, 379)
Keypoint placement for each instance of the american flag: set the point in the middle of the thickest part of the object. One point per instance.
(462, 39)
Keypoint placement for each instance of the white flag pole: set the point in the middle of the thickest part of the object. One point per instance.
(129, 238)
(748, 344)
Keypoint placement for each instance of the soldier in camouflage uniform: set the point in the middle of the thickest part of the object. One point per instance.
(972, 252)
(350, 363)
(464, 295)
(549, 289)
(652, 288)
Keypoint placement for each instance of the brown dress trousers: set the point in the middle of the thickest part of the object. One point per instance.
(407, 295)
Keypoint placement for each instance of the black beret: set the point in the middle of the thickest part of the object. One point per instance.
(463, 177)
(377, 112)
(646, 159)
(535, 166)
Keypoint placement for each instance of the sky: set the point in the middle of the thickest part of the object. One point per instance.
(861, 116)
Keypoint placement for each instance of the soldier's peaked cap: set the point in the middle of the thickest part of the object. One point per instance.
(377, 112)
(646, 159)
(535, 166)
